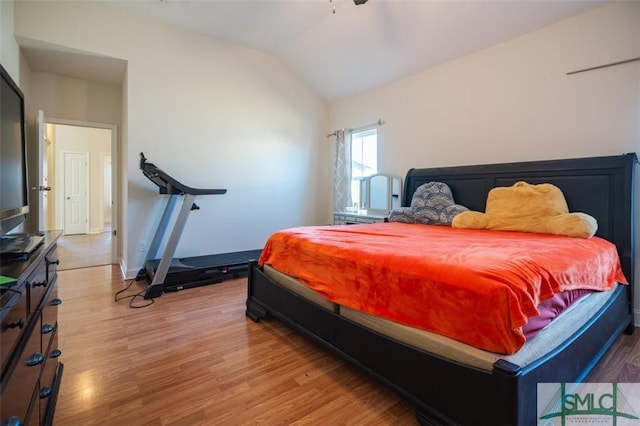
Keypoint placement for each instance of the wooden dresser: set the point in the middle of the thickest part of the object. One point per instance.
(31, 367)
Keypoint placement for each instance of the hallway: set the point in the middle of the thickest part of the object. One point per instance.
(84, 250)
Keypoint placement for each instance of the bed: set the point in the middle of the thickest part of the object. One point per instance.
(452, 382)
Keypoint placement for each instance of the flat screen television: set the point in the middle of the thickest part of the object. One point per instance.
(14, 191)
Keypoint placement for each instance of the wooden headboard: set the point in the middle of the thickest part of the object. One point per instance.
(599, 186)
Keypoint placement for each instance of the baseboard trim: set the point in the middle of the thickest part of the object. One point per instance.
(127, 275)
(636, 317)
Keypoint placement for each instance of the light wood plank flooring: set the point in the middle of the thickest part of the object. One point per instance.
(85, 250)
(193, 358)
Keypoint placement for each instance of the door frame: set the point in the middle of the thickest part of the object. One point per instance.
(115, 174)
(105, 158)
(43, 173)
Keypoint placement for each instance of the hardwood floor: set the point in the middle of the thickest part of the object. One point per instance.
(193, 358)
(84, 250)
(621, 364)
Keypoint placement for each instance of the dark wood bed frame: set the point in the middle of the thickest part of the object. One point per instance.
(446, 392)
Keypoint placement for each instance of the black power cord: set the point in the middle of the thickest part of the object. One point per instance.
(132, 297)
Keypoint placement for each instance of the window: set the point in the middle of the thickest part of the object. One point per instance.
(364, 158)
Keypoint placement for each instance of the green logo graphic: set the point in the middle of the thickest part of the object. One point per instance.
(611, 404)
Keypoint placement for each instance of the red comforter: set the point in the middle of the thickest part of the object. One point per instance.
(476, 286)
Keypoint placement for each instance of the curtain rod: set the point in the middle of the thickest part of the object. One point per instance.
(377, 123)
(605, 65)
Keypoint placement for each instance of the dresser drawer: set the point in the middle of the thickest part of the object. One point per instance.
(52, 262)
(47, 379)
(37, 284)
(19, 385)
(13, 320)
(50, 314)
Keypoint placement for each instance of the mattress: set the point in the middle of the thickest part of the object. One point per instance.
(479, 287)
(546, 340)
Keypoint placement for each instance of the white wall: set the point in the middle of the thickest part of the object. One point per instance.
(210, 113)
(9, 50)
(514, 102)
(76, 99)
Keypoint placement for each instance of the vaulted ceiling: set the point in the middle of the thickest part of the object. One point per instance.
(339, 48)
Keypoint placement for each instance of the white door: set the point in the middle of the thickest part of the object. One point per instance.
(76, 197)
(43, 188)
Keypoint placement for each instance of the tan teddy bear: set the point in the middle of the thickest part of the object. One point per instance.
(529, 208)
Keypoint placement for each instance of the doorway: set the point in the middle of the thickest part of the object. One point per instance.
(79, 165)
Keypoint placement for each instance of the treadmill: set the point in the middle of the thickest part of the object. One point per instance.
(166, 273)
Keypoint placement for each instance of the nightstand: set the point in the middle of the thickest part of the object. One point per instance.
(360, 216)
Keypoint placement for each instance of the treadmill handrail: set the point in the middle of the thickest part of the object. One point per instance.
(168, 185)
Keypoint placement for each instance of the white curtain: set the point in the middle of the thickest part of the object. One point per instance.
(342, 171)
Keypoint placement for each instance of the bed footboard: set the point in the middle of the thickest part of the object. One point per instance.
(437, 386)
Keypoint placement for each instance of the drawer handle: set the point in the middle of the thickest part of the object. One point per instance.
(47, 328)
(56, 302)
(53, 262)
(40, 284)
(19, 324)
(45, 392)
(12, 421)
(55, 353)
(35, 359)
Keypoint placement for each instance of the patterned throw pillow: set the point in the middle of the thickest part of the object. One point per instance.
(432, 204)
